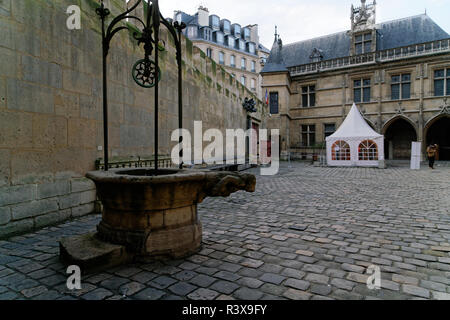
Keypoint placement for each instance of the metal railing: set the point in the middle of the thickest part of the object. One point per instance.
(147, 162)
(416, 50)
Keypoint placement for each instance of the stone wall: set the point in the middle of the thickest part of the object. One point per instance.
(51, 129)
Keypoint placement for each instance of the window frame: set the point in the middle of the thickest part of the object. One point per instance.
(221, 57)
(328, 133)
(310, 135)
(362, 87)
(309, 94)
(233, 61)
(274, 108)
(243, 64)
(366, 152)
(445, 81)
(364, 42)
(401, 83)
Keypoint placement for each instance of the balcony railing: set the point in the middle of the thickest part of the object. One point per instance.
(418, 50)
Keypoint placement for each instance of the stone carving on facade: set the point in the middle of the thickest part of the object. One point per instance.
(363, 17)
(316, 55)
(445, 107)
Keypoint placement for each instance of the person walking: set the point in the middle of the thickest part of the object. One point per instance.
(431, 152)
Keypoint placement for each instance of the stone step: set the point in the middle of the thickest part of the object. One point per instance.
(91, 254)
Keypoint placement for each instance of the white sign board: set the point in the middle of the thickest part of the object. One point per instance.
(416, 155)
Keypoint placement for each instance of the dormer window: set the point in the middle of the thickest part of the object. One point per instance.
(214, 22)
(363, 43)
(246, 34)
(316, 55)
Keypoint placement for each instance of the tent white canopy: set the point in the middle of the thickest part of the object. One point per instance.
(355, 143)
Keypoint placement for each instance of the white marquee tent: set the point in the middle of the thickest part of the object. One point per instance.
(355, 143)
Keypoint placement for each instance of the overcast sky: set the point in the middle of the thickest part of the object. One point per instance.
(304, 19)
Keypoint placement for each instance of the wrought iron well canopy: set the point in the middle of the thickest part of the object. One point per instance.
(146, 72)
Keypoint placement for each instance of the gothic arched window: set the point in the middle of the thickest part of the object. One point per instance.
(368, 151)
(340, 151)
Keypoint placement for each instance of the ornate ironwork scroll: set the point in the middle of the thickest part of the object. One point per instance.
(146, 72)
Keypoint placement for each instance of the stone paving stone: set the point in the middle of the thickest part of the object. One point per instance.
(270, 268)
(416, 291)
(250, 263)
(356, 277)
(345, 295)
(272, 278)
(226, 276)
(250, 283)
(131, 288)
(182, 288)
(149, 294)
(320, 289)
(225, 287)
(317, 278)
(247, 294)
(441, 296)
(114, 283)
(8, 295)
(31, 292)
(390, 285)
(224, 297)
(48, 295)
(202, 280)
(293, 273)
(203, 294)
(162, 282)
(127, 272)
(405, 280)
(313, 268)
(144, 277)
(343, 284)
(434, 286)
(297, 284)
(39, 274)
(97, 294)
(272, 289)
(204, 270)
(229, 267)
(294, 294)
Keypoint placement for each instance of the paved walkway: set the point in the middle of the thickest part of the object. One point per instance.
(308, 233)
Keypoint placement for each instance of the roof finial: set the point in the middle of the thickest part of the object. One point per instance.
(276, 34)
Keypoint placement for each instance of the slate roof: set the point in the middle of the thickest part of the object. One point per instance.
(392, 34)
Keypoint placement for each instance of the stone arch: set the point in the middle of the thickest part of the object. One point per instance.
(399, 132)
(437, 131)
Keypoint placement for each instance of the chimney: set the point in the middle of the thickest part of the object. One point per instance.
(203, 16)
(254, 34)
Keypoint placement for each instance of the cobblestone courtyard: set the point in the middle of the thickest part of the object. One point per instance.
(308, 233)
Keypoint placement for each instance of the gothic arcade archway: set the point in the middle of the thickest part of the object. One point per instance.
(399, 135)
(438, 132)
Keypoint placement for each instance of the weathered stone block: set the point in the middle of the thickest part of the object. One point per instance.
(2, 93)
(40, 71)
(5, 215)
(77, 82)
(9, 64)
(34, 208)
(81, 184)
(69, 201)
(83, 210)
(32, 166)
(28, 97)
(17, 194)
(53, 189)
(49, 131)
(51, 218)
(5, 7)
(91, 254)
(67, 104)
(179, 216)
(15, 129)
(16, 228)
(81, 133)
(5, 157)
(88, 196)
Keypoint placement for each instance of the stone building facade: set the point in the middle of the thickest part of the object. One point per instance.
(397, 72)
(51, 128)
(234, 47)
